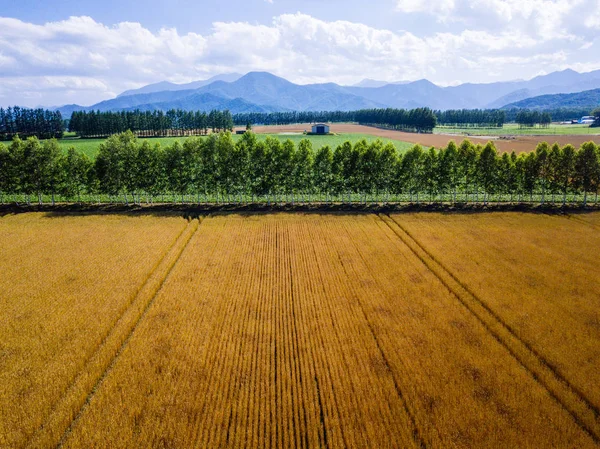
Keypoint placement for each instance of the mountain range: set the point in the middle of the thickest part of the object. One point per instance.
(588, 99)
(264, 92)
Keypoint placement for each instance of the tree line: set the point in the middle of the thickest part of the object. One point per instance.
(177, 122)
(487, 118)
(25, 122)
(557, 114)
(413, 120)
(126, 167)
(596, 114)
(174, 122)
(530, 119)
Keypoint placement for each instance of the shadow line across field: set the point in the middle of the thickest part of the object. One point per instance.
(197, 211)
(581, 409)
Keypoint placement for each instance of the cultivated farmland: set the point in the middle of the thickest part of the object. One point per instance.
(299, 330)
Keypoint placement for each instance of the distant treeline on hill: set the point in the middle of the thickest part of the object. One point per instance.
(25, 122)
(184, 123)
(217, 165)
(150, 123)
(556, 115)
(486, 118)
(533, 118)
(46, 124)
(411, 120)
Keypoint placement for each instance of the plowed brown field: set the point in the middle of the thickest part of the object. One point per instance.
(300, 330)
(519, 144)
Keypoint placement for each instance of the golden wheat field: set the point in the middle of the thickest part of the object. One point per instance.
(300, 330)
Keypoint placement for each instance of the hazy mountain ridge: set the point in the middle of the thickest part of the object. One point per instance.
(264, 92)
(205, 102)
(167, 86)
(587, 99)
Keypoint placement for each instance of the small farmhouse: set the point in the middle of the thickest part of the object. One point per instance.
(320, 128)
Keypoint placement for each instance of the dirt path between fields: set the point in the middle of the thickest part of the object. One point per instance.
(519, 144)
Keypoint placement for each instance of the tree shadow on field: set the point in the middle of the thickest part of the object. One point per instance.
(195, 211)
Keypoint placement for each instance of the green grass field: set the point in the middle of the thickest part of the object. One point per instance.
(90, 146)
(514, 130)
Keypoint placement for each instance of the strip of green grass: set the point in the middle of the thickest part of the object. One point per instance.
(90, 146)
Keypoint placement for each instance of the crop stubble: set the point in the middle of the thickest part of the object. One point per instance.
(66, 282)
(290, 330)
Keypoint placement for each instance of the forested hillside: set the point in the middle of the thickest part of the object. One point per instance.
(588, 100)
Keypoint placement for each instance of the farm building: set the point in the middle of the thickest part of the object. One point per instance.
(320, 128)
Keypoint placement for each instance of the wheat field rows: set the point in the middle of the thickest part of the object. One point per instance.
(300, 330)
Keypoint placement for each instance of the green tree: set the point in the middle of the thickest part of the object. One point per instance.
(225, 163)
(596, 113)
(323, 170)
(449, 172)
(179, 167)
(564, 172)
(386, 167)
(487, 170)
(241, 161)
(111, 164)
(151, 172)
(340, 168)
(258, 169)
(43, 167)
(542, 154)
(273, 165)
(76, 168)
(467, 158)
(207, 174)
(302, 171)
(368, 167)
(507, 176)
(529, 173)
(429, 173)
(409, 176)
(587, 169)
(6, 181)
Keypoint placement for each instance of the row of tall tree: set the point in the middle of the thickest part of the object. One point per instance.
(596, 114)
(217, 164)
(489, 118)
(530, 119)
(41, 123)
(416, 120)
(557, 114)
(187, 123)
(413, 120)
(174, 122)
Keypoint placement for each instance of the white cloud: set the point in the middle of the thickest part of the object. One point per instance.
(439, 8)
(593, 19)
(81, 60)
(546, 18)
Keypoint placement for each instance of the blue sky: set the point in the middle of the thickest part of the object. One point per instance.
(84, 51)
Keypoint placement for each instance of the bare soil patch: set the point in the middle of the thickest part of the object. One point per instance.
(519, 144)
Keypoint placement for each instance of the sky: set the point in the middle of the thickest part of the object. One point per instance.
(61, 52)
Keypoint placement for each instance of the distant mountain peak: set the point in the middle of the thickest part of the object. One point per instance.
(264, 91)
(162, 86)
(262, 76)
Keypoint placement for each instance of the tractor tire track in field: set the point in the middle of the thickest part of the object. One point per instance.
(573, 401)
(417, 436)
(57, 426)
